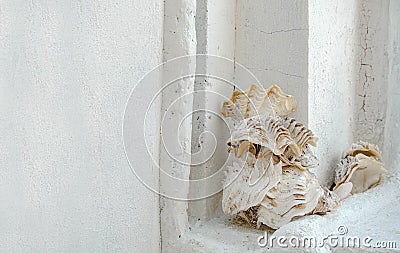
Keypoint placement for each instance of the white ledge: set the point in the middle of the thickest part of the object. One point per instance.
(220, 235)
(372, 214)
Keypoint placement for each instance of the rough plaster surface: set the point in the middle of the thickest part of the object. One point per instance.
(348, 77)
(372, 61)
(333, 77)
(66, 71)
(272, 41)
(179, 40)
(392, 126)
(215, 22)
(220, 235)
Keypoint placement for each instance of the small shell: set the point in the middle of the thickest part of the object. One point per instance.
(257, 101)
(361, 167)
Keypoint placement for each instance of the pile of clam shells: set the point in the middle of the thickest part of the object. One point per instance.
(269, 181)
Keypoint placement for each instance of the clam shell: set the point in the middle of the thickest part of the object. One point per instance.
(246, 184)
(360, 166)
(257, 101)
(300, 133)
(282, 104)
(297, 194)
(365, 148)
(266, 131)
(269, 181)
(276, 194)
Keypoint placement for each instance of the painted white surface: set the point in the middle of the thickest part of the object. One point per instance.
(220, 235)
(372, 64)
(348, 77)
(215, 27)
(66, 71)
(272, 42)
(392, 127)
(333, 77)
(179, 40)
(347, 57)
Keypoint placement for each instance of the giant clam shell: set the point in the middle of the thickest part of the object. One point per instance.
(360, 168)
(261, 191)
(257, 101)
(297, 193)
(269, 182)
(266, 131)
(300, 133)
(246, 184)
(286, 138)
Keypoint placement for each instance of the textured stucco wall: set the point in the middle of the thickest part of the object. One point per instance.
(179, 40)
(66, 70)
(272, 42)
(215, 27)
(348, 78)
(392, 129)
(372, 63)
(333, 76)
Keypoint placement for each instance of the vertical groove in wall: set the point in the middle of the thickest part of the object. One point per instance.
(215, 37)
(234, 45)
(179, 40)
(196, 208)
(159, 157)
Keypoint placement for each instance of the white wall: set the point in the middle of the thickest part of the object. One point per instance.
(392, 129)
(372, 64)
(272, 42)
(348, 77)
(215, 27)
(179, 40)
(333, 76)
(66, 70)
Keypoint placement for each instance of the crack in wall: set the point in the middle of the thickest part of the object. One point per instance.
(276, 70)
(372, 77)
(281, 31)
(365, 68)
